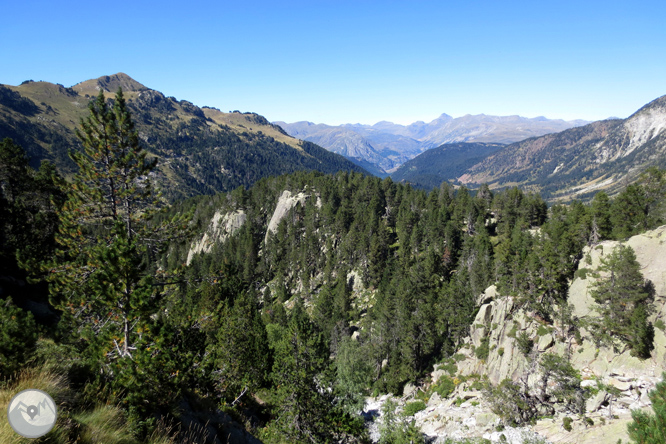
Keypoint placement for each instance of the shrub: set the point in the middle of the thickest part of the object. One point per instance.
(513, 331)
(566, 423)
(444, 386)
(483, 350)
(525, 343)
(414, 407)
(581, 273)
(509, 402)
(458, 357)
(449, 366)
(18, 335)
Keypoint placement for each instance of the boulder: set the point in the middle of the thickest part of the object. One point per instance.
(545, 342)
(620, 385)
(409, 390)
(437, 373)
(221, 227)
(487, 296)
(595, 402)
(434, 400)
(285, 203)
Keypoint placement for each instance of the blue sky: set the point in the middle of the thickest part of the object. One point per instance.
(363, 61)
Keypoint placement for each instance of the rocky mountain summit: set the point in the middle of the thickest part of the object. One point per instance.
(615, 382)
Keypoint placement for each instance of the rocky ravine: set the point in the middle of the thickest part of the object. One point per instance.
(465, 413)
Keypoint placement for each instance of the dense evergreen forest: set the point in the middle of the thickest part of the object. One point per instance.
(361, 288)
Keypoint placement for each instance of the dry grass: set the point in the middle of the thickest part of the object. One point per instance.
(102, 425)
(51, 382)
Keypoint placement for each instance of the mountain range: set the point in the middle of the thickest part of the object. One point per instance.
(200, 150)
(388, 145)
(577, 162)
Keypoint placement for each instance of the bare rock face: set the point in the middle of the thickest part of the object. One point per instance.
(495, 321)
(286, 202)
(221, 227)
(650, 249)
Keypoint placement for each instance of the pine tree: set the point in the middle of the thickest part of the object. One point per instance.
(240, 348)
(646, 428)
(625, 301)
(629, 212)
(601, 226)
(302, 404)
(28, 203)
(100, 276)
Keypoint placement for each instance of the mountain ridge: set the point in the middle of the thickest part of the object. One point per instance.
(395, 144)
(601, 155)
(201, 150)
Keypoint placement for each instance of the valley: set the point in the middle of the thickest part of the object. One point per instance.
(176, 274)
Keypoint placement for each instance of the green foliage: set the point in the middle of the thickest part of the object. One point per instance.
(647, 428)
(513, 405)
(512, 332)
(444, 387)
(449, 366)
(101, 277)
(560, 380)
(411, 408)
(304, 411)
(239, 348)
(353, 375)
(581, 273)
(395, 429)
(234, 323)
(18, 335)
(444, 163)
(521, 403)
(625, 301)
(483, 350)
(525, 343)
(566, 423)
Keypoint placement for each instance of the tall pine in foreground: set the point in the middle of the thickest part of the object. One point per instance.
(100, 276)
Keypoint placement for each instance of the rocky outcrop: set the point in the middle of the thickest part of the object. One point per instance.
(220, 228)
(285, 203)
(498, 324)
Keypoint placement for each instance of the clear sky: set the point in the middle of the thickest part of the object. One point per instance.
(353, 61)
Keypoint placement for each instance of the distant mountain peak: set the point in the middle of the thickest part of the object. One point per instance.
(109, 84)
(442, 118)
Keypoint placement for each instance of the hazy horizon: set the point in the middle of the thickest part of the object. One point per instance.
(343, 62)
